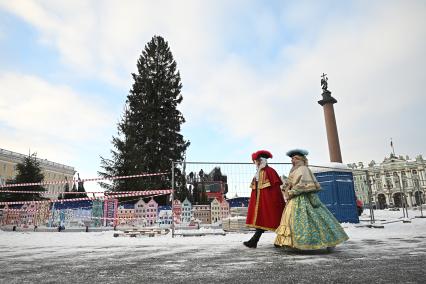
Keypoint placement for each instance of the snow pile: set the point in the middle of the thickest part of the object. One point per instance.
(327, 167)
(48, 242)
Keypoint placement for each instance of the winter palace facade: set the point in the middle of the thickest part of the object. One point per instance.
(391, 180)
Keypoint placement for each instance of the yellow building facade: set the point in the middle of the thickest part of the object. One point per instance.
(52, 171)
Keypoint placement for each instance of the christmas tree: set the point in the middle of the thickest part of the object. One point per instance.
(149, 136)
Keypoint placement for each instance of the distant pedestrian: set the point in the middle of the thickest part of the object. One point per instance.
(359, 206)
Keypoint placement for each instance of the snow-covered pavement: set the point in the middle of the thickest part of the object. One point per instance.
(396, 253)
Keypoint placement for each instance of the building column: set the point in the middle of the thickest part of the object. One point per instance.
(422, 181)
(410, 199)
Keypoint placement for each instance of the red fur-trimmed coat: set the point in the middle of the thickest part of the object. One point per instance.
(266, 201)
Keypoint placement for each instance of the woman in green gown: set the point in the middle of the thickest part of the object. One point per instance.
(306, 223)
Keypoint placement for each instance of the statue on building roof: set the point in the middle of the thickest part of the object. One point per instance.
(372, 164)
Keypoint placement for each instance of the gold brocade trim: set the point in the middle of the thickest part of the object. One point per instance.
(263, 180)
(257, 205)
(321, 245)
(265, 185)
(262, 186)
(284, 234)
(262, 183)
(301, 189)
(260, 227)
(285, 237)
(308, 186)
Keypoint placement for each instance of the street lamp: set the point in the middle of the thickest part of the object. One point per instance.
(417, 190)
(404, 200)
(172, 197)
(369, 182)
(389, 186)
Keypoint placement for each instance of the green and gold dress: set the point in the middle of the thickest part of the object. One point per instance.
(306, 223)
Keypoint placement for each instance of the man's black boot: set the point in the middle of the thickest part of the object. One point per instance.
(252, 243)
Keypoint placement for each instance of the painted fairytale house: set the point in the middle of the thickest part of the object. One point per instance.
(224, 209)
(11, 215)
(126, 214)
(43, 212)
(215, 211)
(165, 216)
(151, 212)
(110, 212)
(28, 212)
(146, 212)
(140, 213)
(177, 210)
(202, 213)
(186, 211)
(124, 210)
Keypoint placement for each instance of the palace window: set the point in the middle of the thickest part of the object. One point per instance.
(396, 181)
(405, 183)
(416, 183)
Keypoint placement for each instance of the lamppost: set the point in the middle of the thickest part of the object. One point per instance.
(369, 182)
(388, 187)
(403, 196)
(172, 196)
(420, 195)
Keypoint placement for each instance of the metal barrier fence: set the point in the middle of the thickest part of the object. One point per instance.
(236, 178)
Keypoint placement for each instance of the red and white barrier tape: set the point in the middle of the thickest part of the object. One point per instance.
(130, 193)
(87, 217)
(46, 209)
(81, 180)
(106, 193)
(20, 210)
(48, 192)
(111, 218)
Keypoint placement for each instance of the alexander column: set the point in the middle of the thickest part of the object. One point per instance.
(330, 121)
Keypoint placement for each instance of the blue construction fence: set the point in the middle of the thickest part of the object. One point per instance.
(338, 194)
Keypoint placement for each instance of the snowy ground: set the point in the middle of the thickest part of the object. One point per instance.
(394, 254)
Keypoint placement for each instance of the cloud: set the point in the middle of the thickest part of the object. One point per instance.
(375, 64)
(50, 119)
(253, 70)
(105, 40)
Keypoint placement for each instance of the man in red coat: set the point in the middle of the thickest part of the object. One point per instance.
(266, 200)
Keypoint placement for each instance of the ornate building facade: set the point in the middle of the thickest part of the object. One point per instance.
(52, 171)
(391, 180)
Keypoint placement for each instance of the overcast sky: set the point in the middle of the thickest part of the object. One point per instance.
(250, 73)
